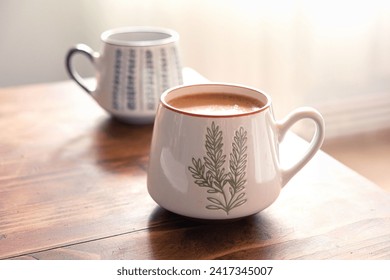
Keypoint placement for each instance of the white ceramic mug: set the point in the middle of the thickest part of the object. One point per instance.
(136, 65)
(225, 166)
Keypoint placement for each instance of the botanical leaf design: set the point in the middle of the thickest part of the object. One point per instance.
(215, 201)
(238, 202)
(214, 207)
(216, 178)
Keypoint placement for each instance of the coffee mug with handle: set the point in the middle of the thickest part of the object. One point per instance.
(221, 166)
(136, 65)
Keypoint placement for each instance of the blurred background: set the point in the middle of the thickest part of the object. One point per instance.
(333, 55)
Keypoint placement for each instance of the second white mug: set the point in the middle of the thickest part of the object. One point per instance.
(136, 65)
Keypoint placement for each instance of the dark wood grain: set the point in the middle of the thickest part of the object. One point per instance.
(73, 186)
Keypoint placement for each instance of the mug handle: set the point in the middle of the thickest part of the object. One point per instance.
(90, 54)
(285, 124)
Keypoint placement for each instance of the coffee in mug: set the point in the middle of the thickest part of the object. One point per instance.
(216, 103)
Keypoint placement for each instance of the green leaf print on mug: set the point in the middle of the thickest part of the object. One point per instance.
(227, 188)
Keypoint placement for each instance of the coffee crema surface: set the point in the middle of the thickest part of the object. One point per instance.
(216, 104)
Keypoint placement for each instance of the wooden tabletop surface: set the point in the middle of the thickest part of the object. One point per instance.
(73, 186)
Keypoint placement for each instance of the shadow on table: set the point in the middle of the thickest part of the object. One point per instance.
(119, 146)
(176, 237)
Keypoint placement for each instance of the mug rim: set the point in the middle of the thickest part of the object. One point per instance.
(172, 36)
(165, 103)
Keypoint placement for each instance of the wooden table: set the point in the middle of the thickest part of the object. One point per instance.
(73, 186)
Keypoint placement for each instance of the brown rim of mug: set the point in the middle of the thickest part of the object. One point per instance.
(165, 104)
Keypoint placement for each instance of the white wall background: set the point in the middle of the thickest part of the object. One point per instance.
(299, 51)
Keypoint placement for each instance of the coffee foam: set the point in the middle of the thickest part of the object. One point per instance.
(216, 104)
